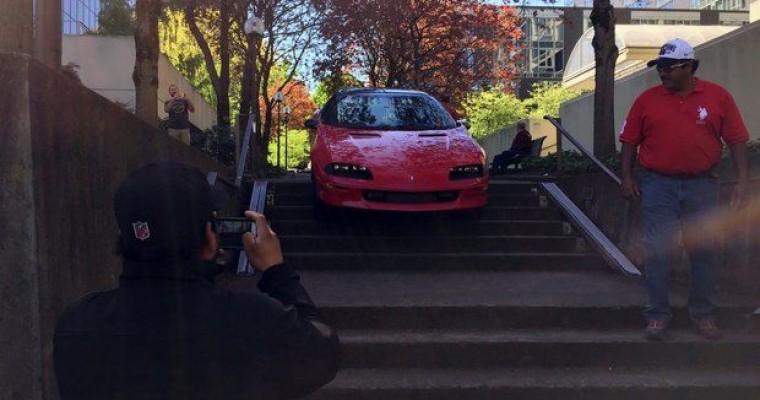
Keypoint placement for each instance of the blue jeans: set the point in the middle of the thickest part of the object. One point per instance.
(671, 204)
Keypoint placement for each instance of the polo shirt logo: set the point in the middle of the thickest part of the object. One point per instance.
(701, 115)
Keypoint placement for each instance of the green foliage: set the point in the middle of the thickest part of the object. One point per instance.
(116, 18)
(179, 45)
(491, 110)
(547, 97)
(573, 162)
(298, 148)
(218, 142)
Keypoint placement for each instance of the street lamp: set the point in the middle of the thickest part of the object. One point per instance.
(286, 110)
(278, 98)
(254, 28)
(254, 25)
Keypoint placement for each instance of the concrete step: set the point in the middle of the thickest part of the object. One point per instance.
(481, 245)
(439, 262)
(653, 383)
(305, 198)
(543, 349)
(366, 228)
(276, 213)
(286, 187)
(469, 299)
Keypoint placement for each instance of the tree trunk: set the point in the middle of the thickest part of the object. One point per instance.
(16, 27)
(220, 81)
(48, 36)
(605, 55)
(223, 98)
(145, 74)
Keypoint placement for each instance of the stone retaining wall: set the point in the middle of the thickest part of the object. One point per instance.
(64, 151)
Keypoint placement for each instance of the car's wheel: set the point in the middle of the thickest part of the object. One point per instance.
(321, 211)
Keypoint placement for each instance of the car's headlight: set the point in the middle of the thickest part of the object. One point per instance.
(466, 172)
(348, 171)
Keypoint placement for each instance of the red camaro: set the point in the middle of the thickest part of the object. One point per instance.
(392, 149)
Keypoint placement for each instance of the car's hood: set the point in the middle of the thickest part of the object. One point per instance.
(405, 158)
(439, 148)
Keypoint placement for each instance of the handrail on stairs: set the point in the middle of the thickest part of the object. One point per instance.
(580, 147)
(609, 251)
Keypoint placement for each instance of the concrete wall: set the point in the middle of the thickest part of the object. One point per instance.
(730, 60)
(65, 150)
(106, 64)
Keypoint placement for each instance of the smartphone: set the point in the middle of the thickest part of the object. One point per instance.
(230, 231)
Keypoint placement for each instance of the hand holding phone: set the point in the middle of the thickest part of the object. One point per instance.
(230, 231)
(263, 247)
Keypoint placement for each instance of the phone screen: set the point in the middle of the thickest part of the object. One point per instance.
(231, 230)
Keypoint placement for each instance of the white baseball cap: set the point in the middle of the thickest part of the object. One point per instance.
(672, 51)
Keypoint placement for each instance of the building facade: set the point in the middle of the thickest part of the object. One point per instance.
(550, 34)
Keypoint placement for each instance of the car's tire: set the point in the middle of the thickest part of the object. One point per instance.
(321, 211)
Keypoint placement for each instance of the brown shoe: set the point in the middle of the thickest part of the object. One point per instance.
(707, 329)
(655, 330)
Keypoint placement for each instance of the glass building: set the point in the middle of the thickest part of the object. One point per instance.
(79, 16)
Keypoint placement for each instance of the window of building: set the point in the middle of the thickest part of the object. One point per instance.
(79, 16)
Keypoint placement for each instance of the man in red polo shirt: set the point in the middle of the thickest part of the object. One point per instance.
(679, 128)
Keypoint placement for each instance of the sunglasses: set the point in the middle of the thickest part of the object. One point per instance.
(670, 68)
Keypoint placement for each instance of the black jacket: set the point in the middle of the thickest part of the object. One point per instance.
(165, 335)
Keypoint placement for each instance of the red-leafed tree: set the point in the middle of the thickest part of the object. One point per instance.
(440, 46)
(300, 102)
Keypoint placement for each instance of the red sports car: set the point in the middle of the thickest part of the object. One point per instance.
(393, 149)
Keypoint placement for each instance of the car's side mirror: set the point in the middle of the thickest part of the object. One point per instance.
(463, 122)
(311, 123)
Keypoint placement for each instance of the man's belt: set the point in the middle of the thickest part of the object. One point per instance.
(710, 173)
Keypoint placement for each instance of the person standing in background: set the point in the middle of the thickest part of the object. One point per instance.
(179, 109)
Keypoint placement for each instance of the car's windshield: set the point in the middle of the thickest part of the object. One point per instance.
(389, 111)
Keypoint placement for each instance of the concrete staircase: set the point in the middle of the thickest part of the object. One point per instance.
(514, 306)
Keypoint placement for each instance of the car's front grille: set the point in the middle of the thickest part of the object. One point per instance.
(410, 197)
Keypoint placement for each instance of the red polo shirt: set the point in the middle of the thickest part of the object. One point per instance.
(682, 135)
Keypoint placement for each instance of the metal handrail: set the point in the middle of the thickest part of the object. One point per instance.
(244, 152)
(609, 251)
(583, 149)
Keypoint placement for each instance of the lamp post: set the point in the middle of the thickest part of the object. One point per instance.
(278, 98)
(286, 110)
(253, 27)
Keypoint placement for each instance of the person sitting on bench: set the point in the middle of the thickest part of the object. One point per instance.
(519, 149)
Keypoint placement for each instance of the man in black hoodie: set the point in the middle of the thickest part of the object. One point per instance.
(167, 333)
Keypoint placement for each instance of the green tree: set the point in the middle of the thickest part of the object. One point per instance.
(116, 17)
(547, 97)
(298, 148)
(328, 86)
(180, 47)
(491, 110)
